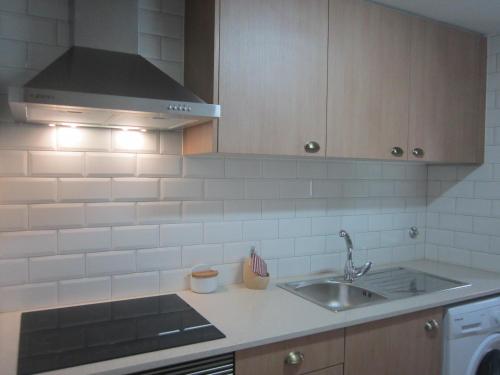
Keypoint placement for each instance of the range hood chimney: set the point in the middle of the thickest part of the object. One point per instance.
(103, 82)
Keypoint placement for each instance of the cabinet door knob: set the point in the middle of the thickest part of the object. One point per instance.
(397, 151)
(312, 147)
(418, 152)
(294, 358)
(431, 325)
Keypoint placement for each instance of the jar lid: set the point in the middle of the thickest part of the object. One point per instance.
(204, 274)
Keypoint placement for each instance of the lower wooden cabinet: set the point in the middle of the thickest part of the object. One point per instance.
(405, 345)
(316, 352)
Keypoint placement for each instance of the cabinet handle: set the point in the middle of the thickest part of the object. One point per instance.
(294, 358)
(312, 147)
(397, 151)
(431, 325)
(418, 152)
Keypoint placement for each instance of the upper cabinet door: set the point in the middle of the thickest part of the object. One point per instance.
(272, 78)
(447, 94)
(368, 81)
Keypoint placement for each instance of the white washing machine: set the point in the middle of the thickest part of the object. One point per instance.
(472, 338)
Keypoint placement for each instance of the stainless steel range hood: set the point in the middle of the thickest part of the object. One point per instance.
(100, 83)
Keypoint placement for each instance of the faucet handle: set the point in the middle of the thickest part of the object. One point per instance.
(343, 233)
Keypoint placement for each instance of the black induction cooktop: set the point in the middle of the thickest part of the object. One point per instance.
(72, 336)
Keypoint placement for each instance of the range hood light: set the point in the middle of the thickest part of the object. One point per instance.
(52, 125)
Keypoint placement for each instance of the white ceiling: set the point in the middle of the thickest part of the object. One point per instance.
(478, 15)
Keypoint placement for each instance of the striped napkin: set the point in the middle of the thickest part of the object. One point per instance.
(259, 266)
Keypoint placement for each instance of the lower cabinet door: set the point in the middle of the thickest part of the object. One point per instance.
(404, 345)
(311, 354)
(335, 370)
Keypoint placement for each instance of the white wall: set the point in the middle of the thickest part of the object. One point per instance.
(89, 214)
(464, 202)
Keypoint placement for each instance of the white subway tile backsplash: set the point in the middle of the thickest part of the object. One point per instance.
(224, 189)
(136, 284)
(51, 163)
(202, 210)
(262, 189)
(27, 244)
(84, 290)
(326, 189)
(294, 189)
(58, 9)
(202, 254)
(136, 237)
(13, 163)
(28, 190)
(279, 248)
(159, 259)
(312, 169)
(49, 216)
(181, 234)
(84, 189)
(13, 272)
(30, 29)
(279, 168)
(223, 232)
(203, 167)
(135, 189)
(84, 240)
(106, 214)
(278, 208)
(310, 207)
(79, 139)
(29, 296)
(135, 141)
(109, 263)
(237, 252)
(288, 267)
(294, 227)
(158, 212)
(181, 188)
(310, 245)
(171, 143)
(260, 229)
(242, 209)
(325, 263)
(57, 267)
(108, 165)
(325, 225)
(158, 165)
(174, 280)
(13, 217)
(243, 168)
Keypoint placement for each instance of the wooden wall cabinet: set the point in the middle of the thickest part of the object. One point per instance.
(401, 82)
(266, 66)
(359, 79)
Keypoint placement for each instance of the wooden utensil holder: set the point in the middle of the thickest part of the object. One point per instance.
(251, 279)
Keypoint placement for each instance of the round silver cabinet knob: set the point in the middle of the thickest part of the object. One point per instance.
(431, 325)
(418, 152)
(397, 151)
(294, 358)
(312, 147)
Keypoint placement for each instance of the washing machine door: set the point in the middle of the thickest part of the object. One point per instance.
(490, 364)
(486, 359)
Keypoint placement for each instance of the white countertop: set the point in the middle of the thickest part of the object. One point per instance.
(254, 317)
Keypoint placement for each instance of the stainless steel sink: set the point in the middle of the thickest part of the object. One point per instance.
(332, 294)
(395, 283)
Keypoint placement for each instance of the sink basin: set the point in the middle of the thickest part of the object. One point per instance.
(332, 294)
(390, 284)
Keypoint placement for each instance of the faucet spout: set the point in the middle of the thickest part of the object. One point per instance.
(351, 272)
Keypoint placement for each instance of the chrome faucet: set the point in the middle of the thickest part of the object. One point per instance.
(351, 272)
